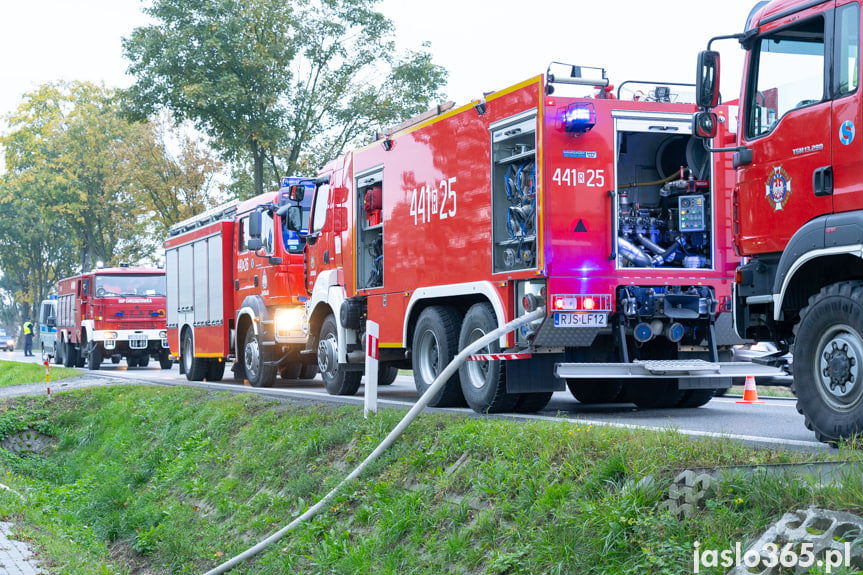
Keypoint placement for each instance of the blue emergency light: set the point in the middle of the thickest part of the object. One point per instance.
(579, 118)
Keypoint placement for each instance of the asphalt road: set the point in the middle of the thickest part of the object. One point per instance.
(775, 423)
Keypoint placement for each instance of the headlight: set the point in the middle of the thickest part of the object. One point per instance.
(109, 334)
(163, 334)
(287, 320)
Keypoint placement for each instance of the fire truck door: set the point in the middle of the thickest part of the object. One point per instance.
(847, 143)
(787, 127)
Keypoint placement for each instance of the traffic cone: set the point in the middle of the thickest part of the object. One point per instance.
(750, 394)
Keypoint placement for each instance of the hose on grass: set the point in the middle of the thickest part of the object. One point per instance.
(411, 415)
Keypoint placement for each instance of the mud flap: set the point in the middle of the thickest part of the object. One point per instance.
(534, 375)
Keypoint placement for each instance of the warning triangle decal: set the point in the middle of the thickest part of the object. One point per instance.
(580, 227)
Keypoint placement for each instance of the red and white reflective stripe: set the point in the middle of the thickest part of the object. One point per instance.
(373, 347)
(498, 356)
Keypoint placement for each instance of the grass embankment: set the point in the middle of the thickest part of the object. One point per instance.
(18, 373)
(158, 480)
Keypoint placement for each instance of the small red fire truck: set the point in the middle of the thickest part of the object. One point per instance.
(599, 209)
(112, 313)
(236, 291)
(798, 202)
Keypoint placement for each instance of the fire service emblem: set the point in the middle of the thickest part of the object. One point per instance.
(778, 188)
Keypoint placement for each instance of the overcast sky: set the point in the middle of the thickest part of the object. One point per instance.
(485, 44)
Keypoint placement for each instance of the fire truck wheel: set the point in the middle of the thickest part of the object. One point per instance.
(309, 371)
(143, 360)
(590, 391)
(435, 343)
(215, 370)
(195, 367)
(165, 361)
(387, 374)
(70, 356)
(258, 372)
(115, 359)
(828, 362)
(94, 358)
(336, 381)
(696, 397)
(483, 382)
(532, 402)
(131, 361)
(290, 371)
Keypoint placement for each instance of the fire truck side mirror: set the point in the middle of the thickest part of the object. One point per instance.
(707, 80)
(254, 244)
(51, 321)
(255, 225)
(704, 125)
(85, 287)
(296, 193)
(293, 218)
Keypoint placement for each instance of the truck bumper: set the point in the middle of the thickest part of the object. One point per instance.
(690, 373)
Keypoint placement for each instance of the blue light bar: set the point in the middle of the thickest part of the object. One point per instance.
(580, 118)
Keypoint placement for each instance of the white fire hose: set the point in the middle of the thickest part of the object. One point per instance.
(388, 440)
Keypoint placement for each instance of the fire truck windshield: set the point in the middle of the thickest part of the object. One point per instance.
(130, 285)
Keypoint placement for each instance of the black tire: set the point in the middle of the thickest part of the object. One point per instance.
(258, 372)
(215, 370)
(195, 367)
(828, 362)
(308, 371)
(290, 370)
(533, 402)
(592, 391)
(337, 381)
(387, 374)
(70, 355)
(94, 358)
(435, 343)
(655, 394)
(132, 361)
(165, 361)
(483, 383)
(696, 397)
(58, 352)
(143, 360)
(115, 359)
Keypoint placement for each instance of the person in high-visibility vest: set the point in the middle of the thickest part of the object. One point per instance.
(28, 337)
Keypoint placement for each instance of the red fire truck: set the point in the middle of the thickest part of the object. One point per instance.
(798, 208)
(112, 313)
(236, 291)
(599, 208)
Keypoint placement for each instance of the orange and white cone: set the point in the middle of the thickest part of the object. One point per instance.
(750, 394)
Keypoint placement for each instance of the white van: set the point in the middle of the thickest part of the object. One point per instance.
(48, 330)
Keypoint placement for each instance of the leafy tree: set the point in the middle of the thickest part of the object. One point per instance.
(173, 174)
(281, 84)
(62, 153)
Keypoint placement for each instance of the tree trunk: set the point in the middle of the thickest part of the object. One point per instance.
(258, 155)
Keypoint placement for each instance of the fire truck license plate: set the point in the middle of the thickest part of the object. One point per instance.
(137, 341)
(562, 319)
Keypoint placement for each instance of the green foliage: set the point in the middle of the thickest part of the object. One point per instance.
(17, 373)
(148, 479)
(283, 85)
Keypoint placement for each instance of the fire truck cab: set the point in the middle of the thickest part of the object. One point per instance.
(798, 202)
(600, 209)
(112, 313)
(236, 289)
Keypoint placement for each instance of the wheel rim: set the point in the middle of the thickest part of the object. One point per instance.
(250, 357)
(477, 371)
(837, 367)
(429, 356)
(327, 356)
(187, 354)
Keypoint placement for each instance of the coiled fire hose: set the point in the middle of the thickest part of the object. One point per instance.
(388, 440)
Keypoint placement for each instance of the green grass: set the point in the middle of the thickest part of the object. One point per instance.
(177, 480)
(18, 373)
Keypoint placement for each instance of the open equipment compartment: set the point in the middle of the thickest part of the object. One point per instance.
(370, 226)
(513, 155)
(664, 196)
